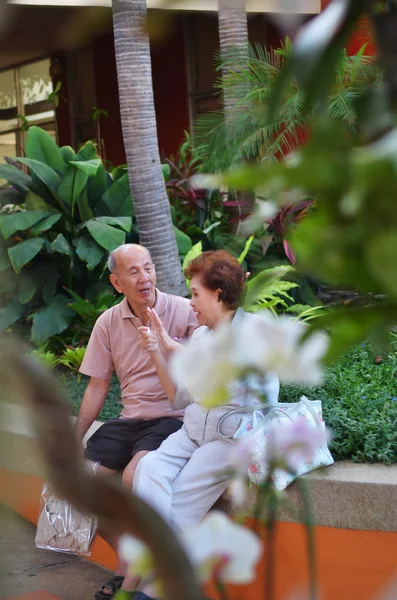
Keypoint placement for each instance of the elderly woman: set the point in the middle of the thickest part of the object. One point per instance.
(191, 469)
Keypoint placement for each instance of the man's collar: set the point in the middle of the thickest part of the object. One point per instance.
(160, 306)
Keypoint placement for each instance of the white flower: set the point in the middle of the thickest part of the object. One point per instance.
(294, 443)
(273, 345)
(262, 344)
(237, 491)
(205, 365)
(136, 554)
(220, 547)
(217, 547)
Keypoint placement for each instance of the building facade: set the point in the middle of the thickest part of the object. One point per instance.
(57, 68)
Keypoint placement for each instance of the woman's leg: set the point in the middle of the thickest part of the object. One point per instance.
(201, 482)
(157, 471)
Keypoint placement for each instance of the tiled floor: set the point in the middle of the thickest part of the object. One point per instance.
(26, 571)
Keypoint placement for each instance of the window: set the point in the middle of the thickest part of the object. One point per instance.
(24, 92)
(202, 43)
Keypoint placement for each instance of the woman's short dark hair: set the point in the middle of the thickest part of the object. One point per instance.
(219, 270)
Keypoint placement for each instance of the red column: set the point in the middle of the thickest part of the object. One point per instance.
(362, 35)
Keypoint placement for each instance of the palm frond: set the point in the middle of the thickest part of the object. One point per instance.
(249, 134)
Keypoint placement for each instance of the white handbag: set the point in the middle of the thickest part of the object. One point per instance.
(311, 412)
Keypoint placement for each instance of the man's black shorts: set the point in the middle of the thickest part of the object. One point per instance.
(118, 440)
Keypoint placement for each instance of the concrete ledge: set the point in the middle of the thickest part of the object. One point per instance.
(345, 495)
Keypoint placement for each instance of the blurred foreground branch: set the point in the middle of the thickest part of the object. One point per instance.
(118, 511)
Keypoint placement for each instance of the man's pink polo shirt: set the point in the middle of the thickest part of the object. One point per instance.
(114, 346)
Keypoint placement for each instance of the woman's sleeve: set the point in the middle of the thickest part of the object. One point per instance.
(182, 399)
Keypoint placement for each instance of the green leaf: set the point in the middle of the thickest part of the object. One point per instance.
(89, 252)
(10, 314)
(166, 171)
(84, 208)
(119, 172)
(117, 200)
(41, 147)
(87, 152)
(52, 319)
(35, 202)
(97, 186)
(89, 167)
(261, 285)
(14, 176)
(45, 224)
(20, 221)
(246, 249)
(68, 154)
(50, 287)
(183, 241)
(106, 236)
(26, 290)
(72, 185)
(61, 245)
(43, 172)
(4, 258)
(23, 253)
(122, 222)
(194, 252)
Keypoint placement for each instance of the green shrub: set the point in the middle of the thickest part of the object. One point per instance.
(74, 388)
(72, 358)
(46, 357)
(359, 398)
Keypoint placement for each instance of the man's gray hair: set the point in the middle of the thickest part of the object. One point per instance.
(112, 262)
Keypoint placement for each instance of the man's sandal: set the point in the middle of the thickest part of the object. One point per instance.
(113, 584)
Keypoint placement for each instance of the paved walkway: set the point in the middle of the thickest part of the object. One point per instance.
(24, 568)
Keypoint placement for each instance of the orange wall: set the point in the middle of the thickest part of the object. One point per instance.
(352, 565)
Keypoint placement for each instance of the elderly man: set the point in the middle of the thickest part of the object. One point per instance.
(146, 419)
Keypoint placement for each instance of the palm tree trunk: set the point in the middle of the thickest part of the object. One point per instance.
(138, 120)
(233, 42)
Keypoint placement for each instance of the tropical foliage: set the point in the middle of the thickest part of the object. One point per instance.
(71, 358)
(256, 137)
(75, 213)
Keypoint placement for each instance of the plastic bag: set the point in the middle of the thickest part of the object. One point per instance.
(63, 528)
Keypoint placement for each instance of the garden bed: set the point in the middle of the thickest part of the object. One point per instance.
(359, 397)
